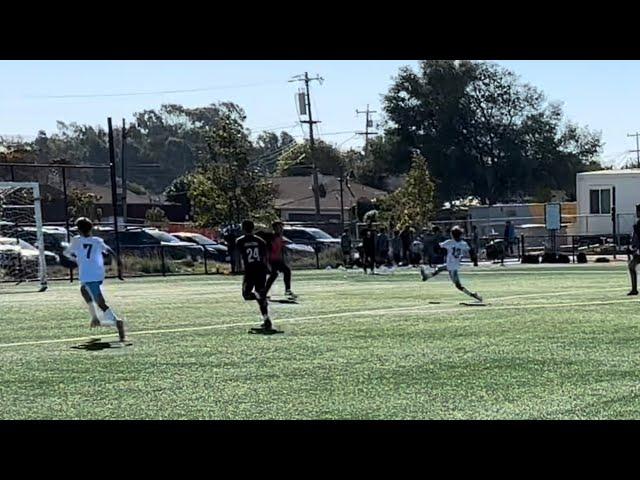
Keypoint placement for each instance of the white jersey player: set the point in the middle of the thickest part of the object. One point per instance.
(456, 249)
(88, 252)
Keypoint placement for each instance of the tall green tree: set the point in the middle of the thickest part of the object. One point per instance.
(485, 132)
(225, 188)
(415, 202)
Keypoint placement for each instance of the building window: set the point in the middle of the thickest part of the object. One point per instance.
(600, 201)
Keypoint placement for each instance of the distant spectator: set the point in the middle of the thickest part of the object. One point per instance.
(382, 247)
(509, 237)
(396, 247)
(475, 245)
(416, 252)
(405, 238)
(345, 245)
(369, 248)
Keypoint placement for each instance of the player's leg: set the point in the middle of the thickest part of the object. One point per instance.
(455, 278)
(110, 318)
(272, 277)
(95, 321)
(426, 275)
(633, 273)
(286, 272)
(260, 288)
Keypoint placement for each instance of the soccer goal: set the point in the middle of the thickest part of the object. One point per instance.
(21, 211)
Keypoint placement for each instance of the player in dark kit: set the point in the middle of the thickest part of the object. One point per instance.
(635, 254)
(276, 255)
(253, 251)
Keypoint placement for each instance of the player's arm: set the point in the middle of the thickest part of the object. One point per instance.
(108, 250)
(70, 251)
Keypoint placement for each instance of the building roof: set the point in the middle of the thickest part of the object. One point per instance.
(628, 171)
(294, 193)
(104, 194)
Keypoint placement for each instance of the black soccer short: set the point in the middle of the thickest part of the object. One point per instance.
(279, 266)
(254, 278)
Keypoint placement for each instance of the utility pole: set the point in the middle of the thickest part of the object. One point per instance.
(368, 124)
(316, 187)
(341, 198)
(637, 150)
(123, 173)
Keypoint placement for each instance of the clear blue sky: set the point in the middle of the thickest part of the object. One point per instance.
(601, 94)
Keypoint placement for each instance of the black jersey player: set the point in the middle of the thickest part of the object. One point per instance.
(635, 254)
(253, 251)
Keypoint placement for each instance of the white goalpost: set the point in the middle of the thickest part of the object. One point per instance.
(20, 209)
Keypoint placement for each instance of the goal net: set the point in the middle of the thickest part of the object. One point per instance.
(22, 253)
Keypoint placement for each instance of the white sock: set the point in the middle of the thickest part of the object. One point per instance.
(110, 316)
(92, 310)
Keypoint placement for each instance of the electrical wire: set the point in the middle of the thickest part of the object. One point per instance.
(157, 92)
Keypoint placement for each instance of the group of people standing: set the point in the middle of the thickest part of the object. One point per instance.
(395, 247)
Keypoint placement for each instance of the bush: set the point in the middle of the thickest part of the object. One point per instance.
(134, 264)
(602, 260)
(581, 258)
(534, 259)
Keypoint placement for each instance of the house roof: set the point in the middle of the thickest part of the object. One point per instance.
(104, 194)
(628, 171)
(294, 193)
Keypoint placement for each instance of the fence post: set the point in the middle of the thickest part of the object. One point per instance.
(164, 269)
(573, 247)
(522, 246)
(206, 268)
(315, 247)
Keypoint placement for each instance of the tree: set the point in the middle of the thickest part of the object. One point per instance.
(225, 189)
(82, 204)
(298, 160)
(414, 203)
(156, 217)
(486, 134)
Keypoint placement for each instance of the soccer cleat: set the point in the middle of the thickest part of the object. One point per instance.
(95, 322)
(632, 293)
(290, 295)
(477, 297)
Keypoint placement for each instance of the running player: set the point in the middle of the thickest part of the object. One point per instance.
(88, 251)
(276, 254)
(253, 251)
(456, 249)
(634, 261)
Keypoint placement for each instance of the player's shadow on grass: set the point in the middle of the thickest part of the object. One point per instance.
(96, 344)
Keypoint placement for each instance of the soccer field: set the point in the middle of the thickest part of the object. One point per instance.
(555, 342)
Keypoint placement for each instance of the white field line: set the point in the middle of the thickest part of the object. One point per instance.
(414, 309)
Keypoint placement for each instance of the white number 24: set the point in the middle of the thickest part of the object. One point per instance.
(253, 254)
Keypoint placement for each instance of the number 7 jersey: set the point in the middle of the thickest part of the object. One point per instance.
(88, 253)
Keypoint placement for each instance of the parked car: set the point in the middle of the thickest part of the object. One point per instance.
(55, 240)
(17, 250)
(141, 241)
(213, 250)
(313, 237)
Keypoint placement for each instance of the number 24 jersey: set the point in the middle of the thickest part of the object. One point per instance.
(253, 250)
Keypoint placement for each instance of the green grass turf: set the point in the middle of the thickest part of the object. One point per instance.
(555, 342)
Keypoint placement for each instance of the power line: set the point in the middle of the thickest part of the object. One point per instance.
(158, 92)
